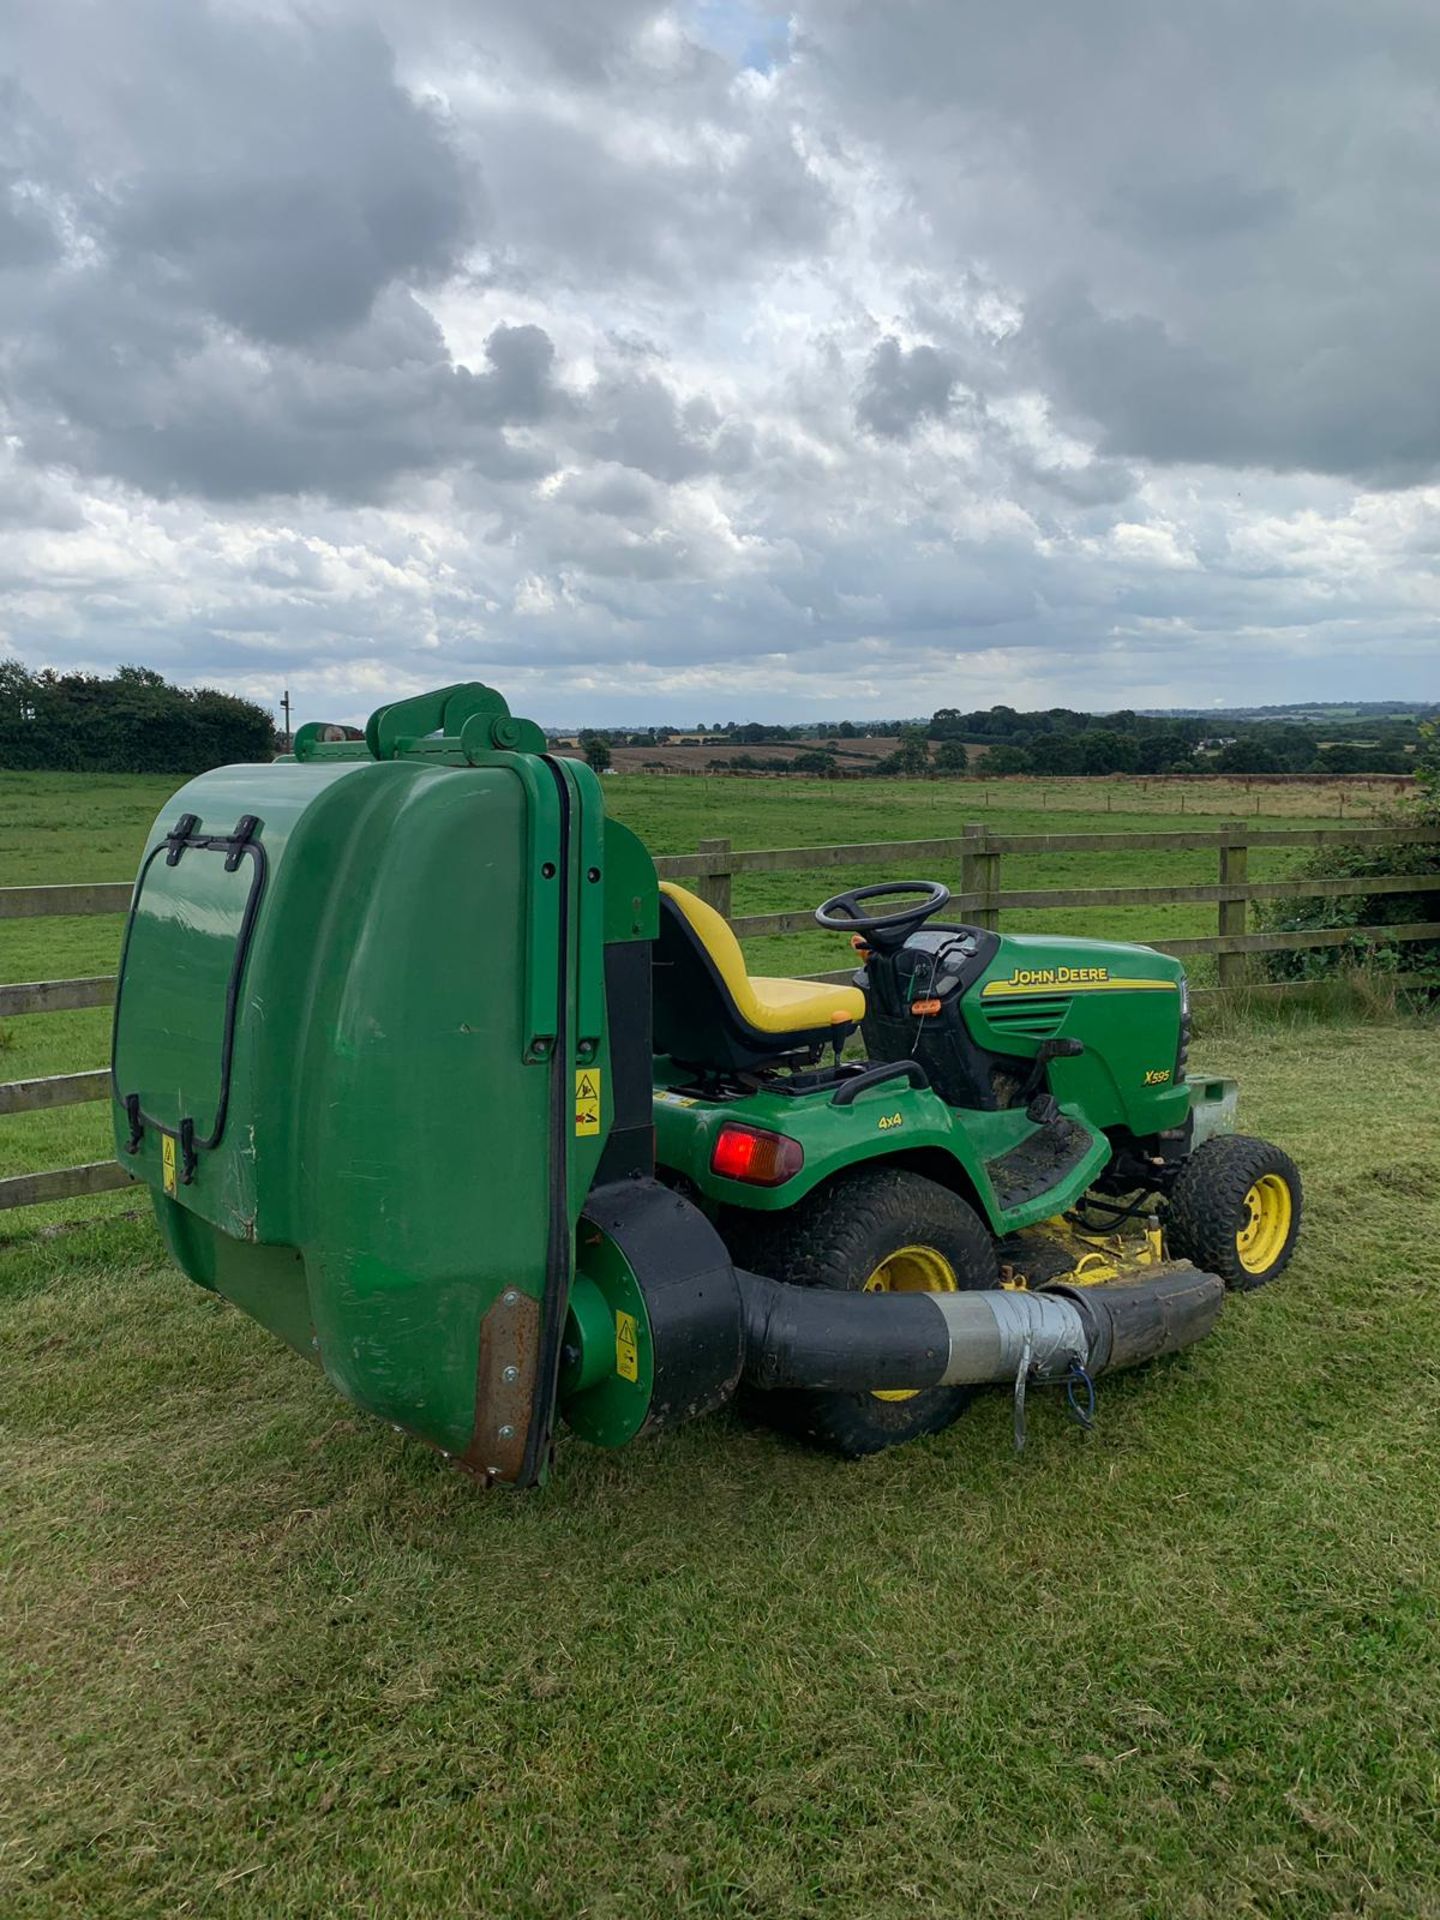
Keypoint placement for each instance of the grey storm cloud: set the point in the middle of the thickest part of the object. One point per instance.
(250, 202)
(890, 341)
(255, 219)
(173, 407)
(904, 386)
(27, 238)
(283, 177)
(1214, 217)
(270, 171)
(638, 422)
(575, 208)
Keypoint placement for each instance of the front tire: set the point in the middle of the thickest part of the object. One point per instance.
(876, 1230)
(1235, 1210)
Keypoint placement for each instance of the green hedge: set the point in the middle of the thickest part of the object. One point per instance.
(132, 722)
(1369, 909)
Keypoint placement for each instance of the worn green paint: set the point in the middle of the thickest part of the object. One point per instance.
(169, 1048)
(632, 898)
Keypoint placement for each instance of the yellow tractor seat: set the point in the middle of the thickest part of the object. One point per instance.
(711, 1011)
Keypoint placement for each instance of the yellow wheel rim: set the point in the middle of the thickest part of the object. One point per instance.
(911, 1270)
(1269, 1208)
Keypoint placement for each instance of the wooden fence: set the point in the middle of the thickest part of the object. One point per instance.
(61, 1089)
(973, 861)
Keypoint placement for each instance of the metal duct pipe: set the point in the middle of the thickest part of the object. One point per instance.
(854, 1342)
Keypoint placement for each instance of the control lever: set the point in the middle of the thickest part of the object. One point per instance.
(1041, 1105)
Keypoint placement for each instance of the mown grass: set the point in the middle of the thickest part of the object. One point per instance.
(56, 827)
(261, 1656)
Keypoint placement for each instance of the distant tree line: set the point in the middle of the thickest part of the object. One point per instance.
(1054, 742)
(132, 721)
(1059, 741)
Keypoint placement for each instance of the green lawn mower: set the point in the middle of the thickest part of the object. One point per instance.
(429, 1075)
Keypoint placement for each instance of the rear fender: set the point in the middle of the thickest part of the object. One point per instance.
(909, 1126)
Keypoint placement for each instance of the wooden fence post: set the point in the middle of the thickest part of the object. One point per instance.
(1232, 969)
(715, 886)
(980, 874)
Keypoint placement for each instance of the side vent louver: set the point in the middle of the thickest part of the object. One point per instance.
(1038, 1018)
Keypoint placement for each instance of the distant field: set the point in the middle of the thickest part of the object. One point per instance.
(56, 827)
(856, 756)
(860, 757)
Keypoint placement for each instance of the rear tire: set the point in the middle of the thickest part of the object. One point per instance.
(1235, 1210)
(881, 1228)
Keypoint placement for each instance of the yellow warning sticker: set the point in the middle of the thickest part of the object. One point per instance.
(627, 1350)
(167, 1161)
(587, 1100)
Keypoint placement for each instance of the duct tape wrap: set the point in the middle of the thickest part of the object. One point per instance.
(994, 1334)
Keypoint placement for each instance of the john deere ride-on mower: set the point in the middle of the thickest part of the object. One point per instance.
(428, 1074)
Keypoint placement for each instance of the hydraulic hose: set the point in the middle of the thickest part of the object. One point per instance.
(854, 1342)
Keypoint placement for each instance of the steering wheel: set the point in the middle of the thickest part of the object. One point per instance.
(845, 913)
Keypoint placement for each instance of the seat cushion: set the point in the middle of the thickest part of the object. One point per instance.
(786, 1006)
(769, 1005)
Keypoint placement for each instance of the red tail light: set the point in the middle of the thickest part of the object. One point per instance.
(758, 1158)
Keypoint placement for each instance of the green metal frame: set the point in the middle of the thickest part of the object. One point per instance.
(899, 1124)
(1123, 1001)
(896, 1123)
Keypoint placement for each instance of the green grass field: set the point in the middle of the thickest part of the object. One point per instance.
(260, 1655)
(45, 838)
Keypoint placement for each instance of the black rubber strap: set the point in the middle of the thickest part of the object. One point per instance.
(237, 846)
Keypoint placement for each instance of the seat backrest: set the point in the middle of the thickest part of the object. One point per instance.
(696, 1015)
(700, 1018)
(707, 1011)
(713, 932)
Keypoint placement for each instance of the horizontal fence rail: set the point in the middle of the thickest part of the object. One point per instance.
(29, 903)
(980, 897)
(43, 1094)
(717, 858)
(57, 996)
(67, 1183)
(59, 1090)
(974, 858)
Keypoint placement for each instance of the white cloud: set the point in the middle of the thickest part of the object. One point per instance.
(856, 359)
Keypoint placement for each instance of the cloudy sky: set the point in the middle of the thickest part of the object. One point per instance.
(720, 360)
